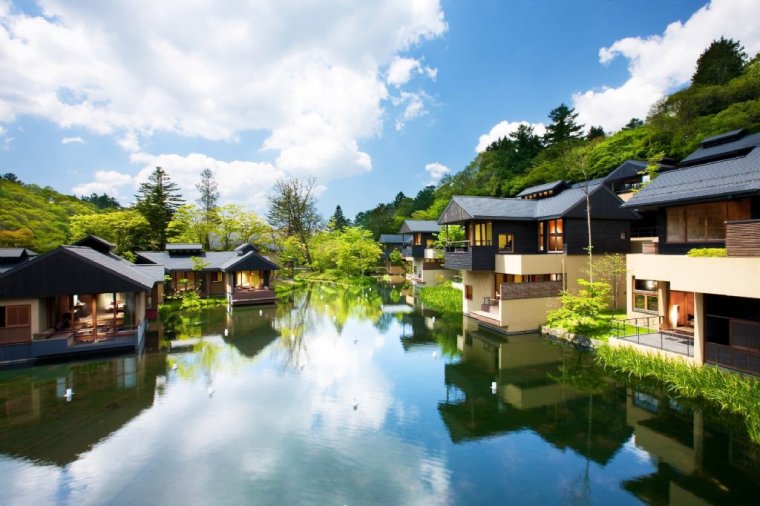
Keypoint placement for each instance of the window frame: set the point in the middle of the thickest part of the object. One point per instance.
(647, 295)
(509, 240)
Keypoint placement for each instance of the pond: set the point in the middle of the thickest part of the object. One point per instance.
(357, 396)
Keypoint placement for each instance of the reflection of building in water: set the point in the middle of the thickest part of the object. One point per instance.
(251, 329)
(531, 394)
(37, 422)
(695, 465)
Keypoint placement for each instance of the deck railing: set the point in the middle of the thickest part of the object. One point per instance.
(648, 331)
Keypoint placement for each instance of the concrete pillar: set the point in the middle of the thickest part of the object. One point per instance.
(699, 328)
(663, 302)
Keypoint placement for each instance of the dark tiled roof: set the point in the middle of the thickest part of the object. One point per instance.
(215, 260)
(184, 262)
(735, 176)
(116, 265)
(154, 272)
(626, 170)
(16, 252)
(250, 261)
(554, 185)
(419, 226)
(394, 239)
(563, 204)
(723, 150)
(95, 242)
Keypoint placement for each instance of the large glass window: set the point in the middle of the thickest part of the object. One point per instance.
(506, 243)
(556, 235)
(482, 234)
(541, 236)
(645, 297)
(704, 222)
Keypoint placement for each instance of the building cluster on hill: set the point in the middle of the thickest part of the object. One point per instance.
(520, 254)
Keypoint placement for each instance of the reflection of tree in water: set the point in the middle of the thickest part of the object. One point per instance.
(308, 308)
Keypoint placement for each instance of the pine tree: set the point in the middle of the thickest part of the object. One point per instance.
(563, 127)
(157, 200)
(338, 221)
(722, 61)
(209, 203)
(595, 132)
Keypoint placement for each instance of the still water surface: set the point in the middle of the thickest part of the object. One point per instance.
(353, 396)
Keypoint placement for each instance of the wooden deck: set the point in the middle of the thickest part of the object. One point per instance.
(242, 297)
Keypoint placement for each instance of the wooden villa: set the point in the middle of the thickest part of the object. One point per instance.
(76, 299)
(242, 275)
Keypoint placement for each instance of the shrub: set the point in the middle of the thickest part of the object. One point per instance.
(581, 313)
(707, 252)
(443, 298)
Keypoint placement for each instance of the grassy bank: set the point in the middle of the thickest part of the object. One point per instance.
(730, 391)
(443, 298)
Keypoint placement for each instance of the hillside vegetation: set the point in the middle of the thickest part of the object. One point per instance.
(728, 99)
(34, 217)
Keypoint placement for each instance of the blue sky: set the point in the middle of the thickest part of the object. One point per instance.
(370, 98)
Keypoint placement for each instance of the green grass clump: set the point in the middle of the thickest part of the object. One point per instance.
(443, 298)
(730, 391)
(707, 252)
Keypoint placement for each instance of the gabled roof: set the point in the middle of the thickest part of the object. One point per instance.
(719, 147)
(394, 239)
(184, 247)
(215, 260)
(96, 243)
(73, 269)
(251, 261)
(16, 253)
(708, 181)
(154, 272)
(626, 170)
(568, 203)
(419, 226)
(184, 261)
(554, 186)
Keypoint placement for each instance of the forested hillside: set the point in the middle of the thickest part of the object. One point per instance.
(34, 217)
(724, 95)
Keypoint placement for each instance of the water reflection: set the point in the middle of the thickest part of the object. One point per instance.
(558, 393)
(37, 422)
(358, 396)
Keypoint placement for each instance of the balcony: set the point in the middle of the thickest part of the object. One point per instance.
(413, 251)
(743, 238)
(242, 296)
(720, 276)
(514, 291)
(531, 264)
(461, 255)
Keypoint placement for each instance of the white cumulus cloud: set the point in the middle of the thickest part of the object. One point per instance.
(128, 69)
(70, 140)
(401, 71)
(436, 171)
(503, 129)
(660, 63)
(110, 182)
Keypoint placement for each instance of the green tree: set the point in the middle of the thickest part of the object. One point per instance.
(722, 61)
(338, 221)
(209, 203)
(103, 201)
(611, 268)
(563, 127)
(293, 209)
(595, 132)
(21, 238)
(127, 229)
(188, 225)
(158, 199)
(581, 313)
(357, 251)
(633, 123)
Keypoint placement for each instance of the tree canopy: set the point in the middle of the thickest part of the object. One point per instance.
(722, 61)
(293, 209)
(158, 199)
